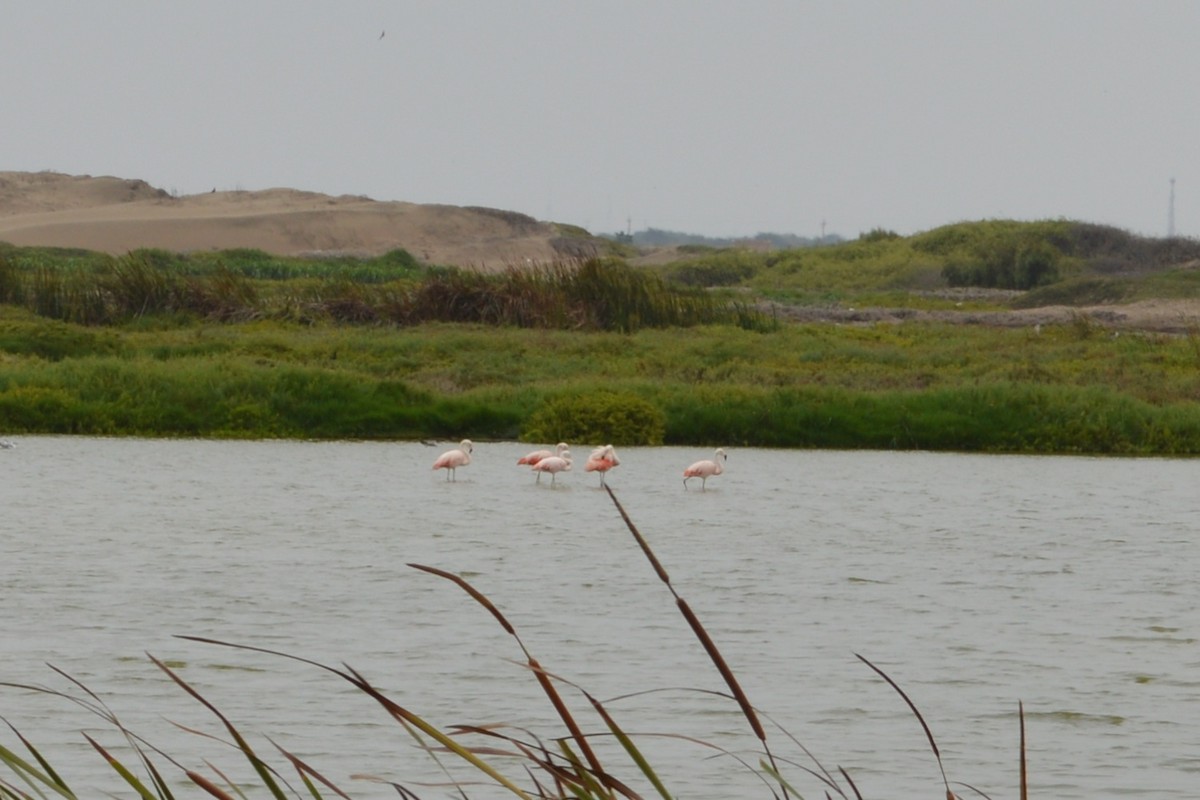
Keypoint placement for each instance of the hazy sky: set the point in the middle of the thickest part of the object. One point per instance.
(721, 118)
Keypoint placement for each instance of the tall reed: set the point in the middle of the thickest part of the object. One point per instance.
(588, 294)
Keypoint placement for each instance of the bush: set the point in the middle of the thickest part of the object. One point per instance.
(42, 410)
(729, 271)
(54, 341)
(1035, 264)
(1006, 263)
(608, 417)
(402, 259)
(878, 235)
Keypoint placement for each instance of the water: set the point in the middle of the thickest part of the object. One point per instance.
(974, 582)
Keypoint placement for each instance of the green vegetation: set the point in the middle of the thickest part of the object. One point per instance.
(999, 254)
(1073, 388)
(243, 344)
(597, 417)
(243, 262)
(248, 284)
(603, 764)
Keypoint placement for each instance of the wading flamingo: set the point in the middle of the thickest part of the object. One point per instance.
(538, 455)
(602, 460)
(553, 465)
(705, 469)
(453, 459)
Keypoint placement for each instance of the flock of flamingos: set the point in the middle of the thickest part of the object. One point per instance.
(601, 460)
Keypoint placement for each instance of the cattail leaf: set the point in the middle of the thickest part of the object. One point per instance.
(121, 770)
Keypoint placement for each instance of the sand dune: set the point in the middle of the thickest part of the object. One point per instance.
(116, 215)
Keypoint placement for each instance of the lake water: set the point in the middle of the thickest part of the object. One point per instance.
(975, 582)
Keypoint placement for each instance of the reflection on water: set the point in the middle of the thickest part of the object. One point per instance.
(975, 582)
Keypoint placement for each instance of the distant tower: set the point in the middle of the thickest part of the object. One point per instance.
(1171, 213)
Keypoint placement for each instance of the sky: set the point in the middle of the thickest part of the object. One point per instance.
(716, 118)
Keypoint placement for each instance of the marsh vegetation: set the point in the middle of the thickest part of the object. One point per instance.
(244, 344)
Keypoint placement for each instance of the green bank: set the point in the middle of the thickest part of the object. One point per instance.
(945, 387)
(242, 344)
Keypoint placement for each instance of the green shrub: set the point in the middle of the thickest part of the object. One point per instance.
(400, 259)
(1006, 263)
(599, 417)
(728, 270)
(53, 340)
(878, 235)
(42, 410)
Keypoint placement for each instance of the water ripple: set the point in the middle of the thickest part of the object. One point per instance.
(974, 582)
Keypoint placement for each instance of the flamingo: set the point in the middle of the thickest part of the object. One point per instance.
(602, 460)
(705, 469)
(538, 455)
(453, 459)
(553, 465)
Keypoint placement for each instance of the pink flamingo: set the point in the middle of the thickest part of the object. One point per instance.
(705, 470)
(453, 459)
(538, 455)
(602, 460)
(553, 465)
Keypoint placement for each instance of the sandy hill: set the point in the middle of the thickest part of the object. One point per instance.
(116, 215)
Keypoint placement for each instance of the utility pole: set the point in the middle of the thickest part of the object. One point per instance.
(1171, 213)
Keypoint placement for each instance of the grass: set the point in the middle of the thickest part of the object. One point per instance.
(589, 294)
(570, 764)
(244, 344)
(1070, 389)
(244, 262)
(1070, 258)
